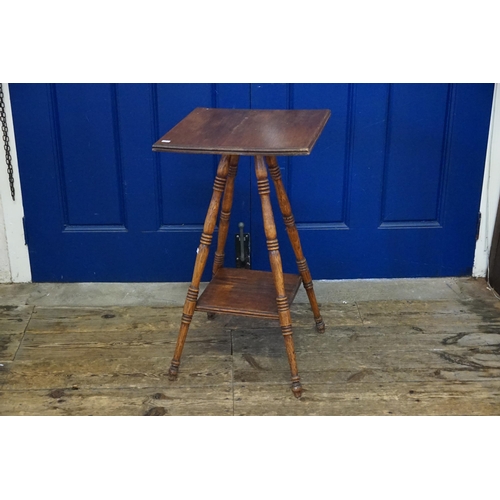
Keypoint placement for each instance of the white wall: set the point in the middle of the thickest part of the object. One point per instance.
(5, 275)
(491, 191)
(14, 259)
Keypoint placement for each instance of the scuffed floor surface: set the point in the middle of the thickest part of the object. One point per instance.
(377, 357)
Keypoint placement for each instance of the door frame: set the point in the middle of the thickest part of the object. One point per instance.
(490, 194)
(14, 256)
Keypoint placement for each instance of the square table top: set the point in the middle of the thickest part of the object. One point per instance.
(272, 132)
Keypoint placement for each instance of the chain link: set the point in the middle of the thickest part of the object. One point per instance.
(6, 145)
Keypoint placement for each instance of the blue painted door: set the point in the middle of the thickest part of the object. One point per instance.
(391, 188)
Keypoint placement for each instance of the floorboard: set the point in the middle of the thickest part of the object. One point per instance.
(377, 357)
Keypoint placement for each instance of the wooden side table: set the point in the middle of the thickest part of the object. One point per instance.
(263, 134)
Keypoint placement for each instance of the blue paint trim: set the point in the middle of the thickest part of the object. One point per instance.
(350, 124)
(387, 145)
(83, 228)
(411, 224)
(445, 154)
(321, 226)
(118, 155)
(55, 129)
(157, 158)
(182, 228)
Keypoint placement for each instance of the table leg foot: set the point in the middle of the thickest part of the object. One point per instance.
(173, 371)
(320, 325)
(296, 387)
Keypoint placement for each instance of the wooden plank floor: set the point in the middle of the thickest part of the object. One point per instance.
(439, 357)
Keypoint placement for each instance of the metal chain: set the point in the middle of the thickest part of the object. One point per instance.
(6, 145)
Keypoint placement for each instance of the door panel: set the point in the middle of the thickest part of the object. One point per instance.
(331, 162)
(384, 193)
(418, 120)
(87, 141)
(391, 188)
(99, 204)
(185, 181)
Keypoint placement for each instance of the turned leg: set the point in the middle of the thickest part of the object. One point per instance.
(277, 269)
(199, 266)
(225, 214)
(293, 234)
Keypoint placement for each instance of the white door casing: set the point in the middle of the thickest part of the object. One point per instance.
(491, 192)
(14, 258)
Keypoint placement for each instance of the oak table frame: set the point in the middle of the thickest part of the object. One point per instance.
(263, 134)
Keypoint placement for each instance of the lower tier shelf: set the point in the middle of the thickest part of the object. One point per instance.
(244, 292)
